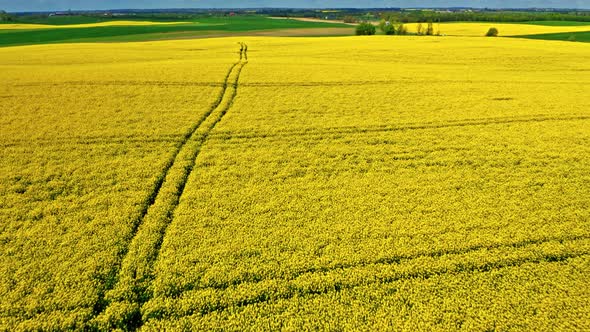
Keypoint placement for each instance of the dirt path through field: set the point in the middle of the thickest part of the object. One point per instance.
(316, 20)
(309, 32)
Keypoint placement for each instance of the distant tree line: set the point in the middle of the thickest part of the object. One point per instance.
(392, 28)
(347, 15)
(424, 16)
(5, 17)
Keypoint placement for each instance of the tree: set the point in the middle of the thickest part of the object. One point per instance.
(5, 17)
(365, 29)
(350, 19)
(386, 27)
(493, 32)
(419, 29)
(401, 30)
(430, 29)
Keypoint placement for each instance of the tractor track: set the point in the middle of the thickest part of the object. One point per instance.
(126, 287)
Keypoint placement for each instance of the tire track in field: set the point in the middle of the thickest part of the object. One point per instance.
(126, 84)
(262, 295)
(97, 139)
(132, 83)
(294, 84)
(390, 260)
(59, 144)
(350, 130)
(410, 81)
(127, 287)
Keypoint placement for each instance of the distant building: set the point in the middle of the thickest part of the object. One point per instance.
(69, 13)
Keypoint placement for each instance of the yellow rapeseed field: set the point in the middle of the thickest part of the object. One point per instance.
(85, 132)
(351, 183)
(21, 26)
(505, 29)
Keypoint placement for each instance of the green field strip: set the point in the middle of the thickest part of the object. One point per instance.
(114, 33)
(542, 23)
(583, 36)
(558, 23)
(80, 19)
(121, 304)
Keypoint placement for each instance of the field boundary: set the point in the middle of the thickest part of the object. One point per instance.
(127, 287)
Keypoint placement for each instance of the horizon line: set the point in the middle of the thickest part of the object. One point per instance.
(298, 8)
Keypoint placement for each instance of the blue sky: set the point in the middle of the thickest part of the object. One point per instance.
(48, 5)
